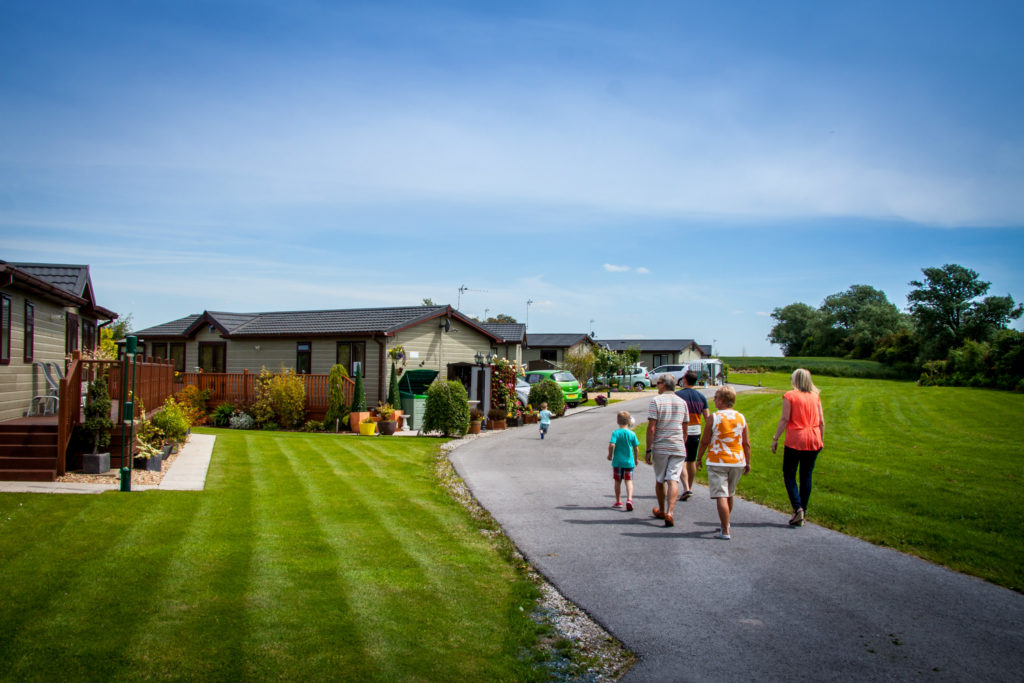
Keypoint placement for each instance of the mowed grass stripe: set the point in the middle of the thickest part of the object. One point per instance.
(109, 593)
(200, 625)
(301, 613)
(398, 559)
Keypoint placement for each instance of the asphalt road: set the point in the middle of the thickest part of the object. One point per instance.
(773, 603)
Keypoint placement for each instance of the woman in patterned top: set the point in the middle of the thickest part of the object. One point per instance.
(803, 420)
(727, 443)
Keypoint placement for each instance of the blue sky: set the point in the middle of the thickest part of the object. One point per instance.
(665, 169)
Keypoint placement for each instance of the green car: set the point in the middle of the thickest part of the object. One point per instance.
(571, 390)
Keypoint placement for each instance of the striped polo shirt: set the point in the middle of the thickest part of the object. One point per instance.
(672, 415)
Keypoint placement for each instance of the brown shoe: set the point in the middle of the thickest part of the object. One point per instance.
(669, 521)
(658, 513)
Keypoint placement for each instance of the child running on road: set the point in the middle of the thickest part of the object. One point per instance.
(727, 443)
(545, 419)
(623, 451)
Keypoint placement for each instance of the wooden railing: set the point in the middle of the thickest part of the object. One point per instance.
(154, 382)
(240, 388)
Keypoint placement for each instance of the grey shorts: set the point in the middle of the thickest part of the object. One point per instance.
(667, 467)
(722, 480)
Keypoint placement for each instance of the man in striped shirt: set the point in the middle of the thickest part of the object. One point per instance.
(667, 418)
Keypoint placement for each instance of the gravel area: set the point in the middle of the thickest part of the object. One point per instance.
(113, 476)
(579, 648)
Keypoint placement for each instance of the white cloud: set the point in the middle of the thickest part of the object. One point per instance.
(615, 269)
(643, 271)
(763, 314)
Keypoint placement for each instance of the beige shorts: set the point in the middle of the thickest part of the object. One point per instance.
(667, 467)
(722, 480)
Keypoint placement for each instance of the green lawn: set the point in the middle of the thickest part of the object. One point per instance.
(306, 557)
(933, 471)
(837, 367)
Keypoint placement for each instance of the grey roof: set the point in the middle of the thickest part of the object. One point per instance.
(534, 340)
(352, 321)
(705, 349)
(71, 278)
(507, 332)
(175, 328)
(647, 344)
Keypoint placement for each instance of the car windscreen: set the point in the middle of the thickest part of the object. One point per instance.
(563, 377)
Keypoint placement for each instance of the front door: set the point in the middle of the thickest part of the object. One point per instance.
(70, 333)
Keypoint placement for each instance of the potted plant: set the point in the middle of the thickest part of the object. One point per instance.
(476, 417)
(149, 457)
(530, 416)
(394, 397)
(387, 424)
(97, 426)
(359, 411)
(496, 418)
(368, 426)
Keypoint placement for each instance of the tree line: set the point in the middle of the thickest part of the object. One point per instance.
(952, 331)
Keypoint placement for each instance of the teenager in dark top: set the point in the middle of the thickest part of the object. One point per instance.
(697, 407)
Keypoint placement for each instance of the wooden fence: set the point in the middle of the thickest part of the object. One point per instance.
(153, 383)
(240, 388)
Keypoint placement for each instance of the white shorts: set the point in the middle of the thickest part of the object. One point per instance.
(667, 467)
(722, 480)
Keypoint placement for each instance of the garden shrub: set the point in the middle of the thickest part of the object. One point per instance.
(262, 408)
(313, 426)
(358, 394)
(394, 397)
(447, 409)
(242, 421)
(337, 408)
(97, 414)
(193, 403)
(548, 391)
(172, 421)
(221, 415)
(288, 399)
(271, 427)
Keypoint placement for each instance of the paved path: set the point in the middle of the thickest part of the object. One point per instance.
(774, 603)
(186, 473)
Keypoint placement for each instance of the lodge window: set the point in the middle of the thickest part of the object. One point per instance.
(549, 355)
(5, 329)
(30, 330)
(158, 350)
(177, 354)
(661, 359)
(303, 357)
(70, 333)
(213, 356)
(88, 335)
(352, 355)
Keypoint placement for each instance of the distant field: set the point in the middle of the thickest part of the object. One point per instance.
(933, 471)
(834, 367)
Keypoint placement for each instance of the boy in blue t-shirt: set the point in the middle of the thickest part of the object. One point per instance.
(623, 451)
(545, 419)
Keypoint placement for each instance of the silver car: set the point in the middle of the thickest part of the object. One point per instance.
(637, 377)
(676, 371)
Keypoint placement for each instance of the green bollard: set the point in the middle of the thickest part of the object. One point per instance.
(126, 479)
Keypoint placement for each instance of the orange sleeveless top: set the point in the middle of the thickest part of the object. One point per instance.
(804, 429)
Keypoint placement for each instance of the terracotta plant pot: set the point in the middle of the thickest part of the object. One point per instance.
(474, 427)
(531, 419)
(387, 427)
(495, 424)
(356, 419)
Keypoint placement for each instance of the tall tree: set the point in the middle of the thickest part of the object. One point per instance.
(947, 308)
(793, 327)
(860, 316)
(501, 318)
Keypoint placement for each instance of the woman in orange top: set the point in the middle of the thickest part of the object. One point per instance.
(803, 420)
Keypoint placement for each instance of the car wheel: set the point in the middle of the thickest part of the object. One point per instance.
(639, 386)
(572, 405)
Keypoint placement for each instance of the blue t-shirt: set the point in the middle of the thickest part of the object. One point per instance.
(625, 441)
(545, 417)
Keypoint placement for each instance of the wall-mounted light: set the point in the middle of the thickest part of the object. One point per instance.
(490, 358)
(255, 347)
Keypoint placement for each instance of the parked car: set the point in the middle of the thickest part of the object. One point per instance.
(676, 371)
(523, 391)
(637, 377)
(571, 390)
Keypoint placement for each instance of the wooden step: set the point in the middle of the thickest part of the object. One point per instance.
(28, 475)
(28, 439)
(28, 462)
